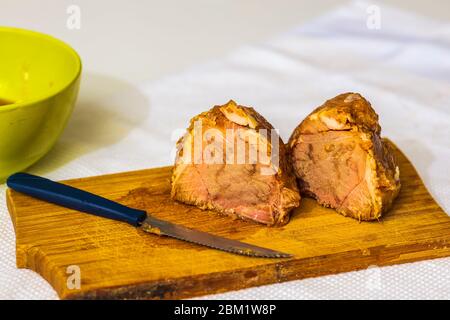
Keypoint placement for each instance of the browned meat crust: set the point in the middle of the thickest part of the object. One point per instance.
(340, 159)
(244, 189)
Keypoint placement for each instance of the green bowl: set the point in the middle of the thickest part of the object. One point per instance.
(39, 81)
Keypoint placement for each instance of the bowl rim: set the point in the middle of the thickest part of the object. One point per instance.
(30, 102)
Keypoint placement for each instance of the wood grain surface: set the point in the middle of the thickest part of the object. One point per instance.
(119, 261)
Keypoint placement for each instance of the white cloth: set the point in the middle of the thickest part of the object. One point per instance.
(403, 68)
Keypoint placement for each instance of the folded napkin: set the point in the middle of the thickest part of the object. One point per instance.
(400, 63)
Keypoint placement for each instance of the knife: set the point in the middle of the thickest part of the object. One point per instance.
(73, 198)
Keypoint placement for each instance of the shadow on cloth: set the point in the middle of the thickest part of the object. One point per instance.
(106, 111)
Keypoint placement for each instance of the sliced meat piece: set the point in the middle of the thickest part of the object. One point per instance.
(340, 159)
(232, 161)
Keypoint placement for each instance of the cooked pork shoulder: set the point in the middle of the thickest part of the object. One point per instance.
(340, 159)
(216, 168)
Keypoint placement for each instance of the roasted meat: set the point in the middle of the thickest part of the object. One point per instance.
(340, 159)
(232, 161)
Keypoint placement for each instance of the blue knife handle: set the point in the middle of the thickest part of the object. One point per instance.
(73, 198)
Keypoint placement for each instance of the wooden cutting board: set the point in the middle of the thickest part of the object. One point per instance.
(116, 260)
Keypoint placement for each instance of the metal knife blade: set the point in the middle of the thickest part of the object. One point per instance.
(161, 227)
